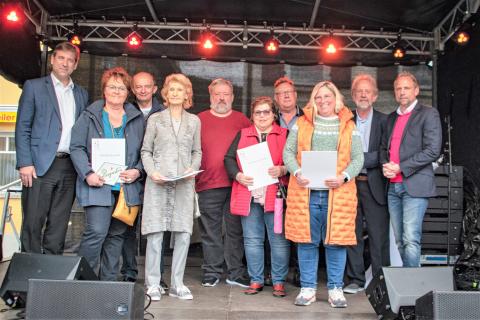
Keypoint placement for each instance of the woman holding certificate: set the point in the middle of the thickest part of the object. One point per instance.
(171, 148)
(325, 215)
(108, 133)
(256, 206)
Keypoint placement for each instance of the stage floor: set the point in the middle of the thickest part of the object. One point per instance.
(227, 302)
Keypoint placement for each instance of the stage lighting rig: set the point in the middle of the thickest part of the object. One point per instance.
(461, 37)
(12, 13)
(75, 38)
(272, 45)
(207, 41)
(330, 45)
(399, 51)
(134, 40)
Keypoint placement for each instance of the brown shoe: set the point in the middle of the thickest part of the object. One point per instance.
(254, 288)
(279, 290)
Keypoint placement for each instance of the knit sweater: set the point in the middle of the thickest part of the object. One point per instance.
(325, 138)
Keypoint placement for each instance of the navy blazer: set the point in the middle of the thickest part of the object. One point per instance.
(90, 126)
(376, 180)
(39, 125)
(420, 146)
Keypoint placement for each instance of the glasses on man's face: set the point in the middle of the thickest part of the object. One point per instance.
(284, 93)
(259, 113)
(115, 88)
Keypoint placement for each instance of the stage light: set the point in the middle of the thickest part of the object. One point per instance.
(12, 13)
(207, 41)
(399, 51)
(461, 37)
(272, 45)
(330, 45)
(75, 39)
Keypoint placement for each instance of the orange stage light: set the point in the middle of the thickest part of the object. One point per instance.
(134, 40)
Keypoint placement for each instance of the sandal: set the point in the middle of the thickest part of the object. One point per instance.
(254, 288)
(279, 290)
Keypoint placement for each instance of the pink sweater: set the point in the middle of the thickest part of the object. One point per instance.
(395, 142)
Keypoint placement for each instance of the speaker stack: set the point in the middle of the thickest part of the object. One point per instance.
(65, 287)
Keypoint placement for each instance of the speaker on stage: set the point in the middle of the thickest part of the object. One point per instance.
(448, 305)
(25, 266)
(106, 300)
(396, 287)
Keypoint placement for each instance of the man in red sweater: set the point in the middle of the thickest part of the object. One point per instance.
(220, 124)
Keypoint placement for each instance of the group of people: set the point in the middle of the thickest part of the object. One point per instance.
(383, 175)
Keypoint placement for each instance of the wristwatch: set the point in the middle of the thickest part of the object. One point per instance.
(345, 180)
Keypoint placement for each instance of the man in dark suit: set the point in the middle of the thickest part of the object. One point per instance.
(47, 110)
(412, 142)
(372, 202)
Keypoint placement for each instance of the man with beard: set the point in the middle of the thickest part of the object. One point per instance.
(220, 124)
(372, 202)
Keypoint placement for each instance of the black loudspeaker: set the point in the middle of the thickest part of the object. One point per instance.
(106, 300)
(396, 287)
(448, 305)
(25, 266)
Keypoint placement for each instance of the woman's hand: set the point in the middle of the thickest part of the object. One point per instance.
(334, 183)
(129, 176)
(276, 171)
(94, 180)
(157, 178)
(302, 182)
(244, 180)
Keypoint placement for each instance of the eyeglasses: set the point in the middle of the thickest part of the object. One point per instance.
(115, 88)
(284, 93)
(262, 112)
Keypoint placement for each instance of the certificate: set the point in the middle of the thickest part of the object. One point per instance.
(317, 166)
(110, 172)
(255, 161)
(183, 176)
(107, 150)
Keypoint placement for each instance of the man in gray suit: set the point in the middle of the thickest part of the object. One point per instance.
(372, 202)
(47, 110)
(412, 142)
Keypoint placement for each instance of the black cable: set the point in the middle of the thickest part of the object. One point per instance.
(146, 313)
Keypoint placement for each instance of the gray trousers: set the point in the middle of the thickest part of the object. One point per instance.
(215, 208)
(153, 258)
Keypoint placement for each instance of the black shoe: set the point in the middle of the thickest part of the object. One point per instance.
(241, 282)
(129, 279)
(210, 281)
(163, 285)
(268, 280)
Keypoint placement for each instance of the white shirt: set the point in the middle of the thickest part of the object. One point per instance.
(409, 109)
(66, 104)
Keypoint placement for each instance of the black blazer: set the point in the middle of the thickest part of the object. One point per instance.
(376, 180)
(420, 146)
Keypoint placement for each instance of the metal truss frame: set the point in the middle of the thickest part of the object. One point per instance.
(453, 20)
(244, 36)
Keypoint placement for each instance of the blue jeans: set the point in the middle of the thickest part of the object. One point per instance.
(406, 216)
(336, 256)
(254, 238)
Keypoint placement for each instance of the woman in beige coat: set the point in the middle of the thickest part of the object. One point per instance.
(171, 148)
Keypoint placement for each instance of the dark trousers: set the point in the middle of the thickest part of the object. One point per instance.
(215, 209)
(48, 202)
(378, 226)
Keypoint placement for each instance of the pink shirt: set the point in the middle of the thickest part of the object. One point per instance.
(396, 140)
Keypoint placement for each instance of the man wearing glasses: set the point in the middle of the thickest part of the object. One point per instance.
(286, 101)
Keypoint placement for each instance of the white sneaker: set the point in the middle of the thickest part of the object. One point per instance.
(154, 293)
(306, 297)
(336, 298)
(182, 293)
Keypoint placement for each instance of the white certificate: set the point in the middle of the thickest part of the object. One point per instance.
(183, 176)
(317, 166)
(110, 172)
(255, 161)
(107, 150)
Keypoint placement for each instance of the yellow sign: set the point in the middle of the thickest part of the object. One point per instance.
(8, 116)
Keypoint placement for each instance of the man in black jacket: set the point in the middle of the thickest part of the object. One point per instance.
(372, 202)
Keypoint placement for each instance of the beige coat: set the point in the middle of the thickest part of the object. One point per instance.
(169, 207)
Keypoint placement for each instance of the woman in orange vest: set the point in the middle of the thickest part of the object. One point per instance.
(315, 214)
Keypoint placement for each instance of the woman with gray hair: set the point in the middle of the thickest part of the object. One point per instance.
(171, 147)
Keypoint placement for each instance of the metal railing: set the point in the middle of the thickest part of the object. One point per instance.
(7, 212)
